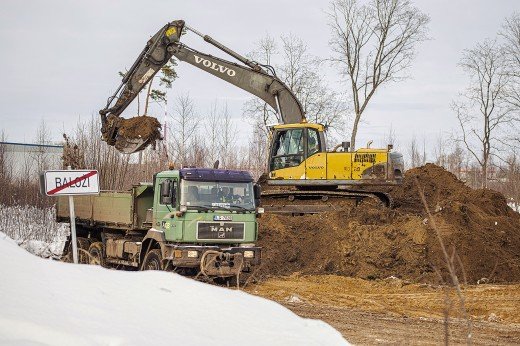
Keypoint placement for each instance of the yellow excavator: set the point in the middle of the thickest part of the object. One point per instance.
(299, 164)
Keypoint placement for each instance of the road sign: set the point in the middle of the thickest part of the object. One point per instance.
(70, 182)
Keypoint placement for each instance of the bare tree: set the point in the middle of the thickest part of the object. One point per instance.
(508, 179)
(415, 157)
(184, 129)
(257, 152)
(302, 73)
(255, 109)
(227, 139)
(198, 152)
(6, 171)
(512, 186)
(373, 44)
(92, 152)
(481, 110)
(390, 138)
(439, 151)
(212, 132)
(40, 156)
(455, 160)
(511, 35)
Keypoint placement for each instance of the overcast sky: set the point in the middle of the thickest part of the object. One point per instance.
(60, 58)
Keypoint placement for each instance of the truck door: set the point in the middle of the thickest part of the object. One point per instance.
(166, 197)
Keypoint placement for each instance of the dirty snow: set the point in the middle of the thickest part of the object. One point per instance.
(53, 303)
(34, 229)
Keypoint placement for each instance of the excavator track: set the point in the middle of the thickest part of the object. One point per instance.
(300, 202)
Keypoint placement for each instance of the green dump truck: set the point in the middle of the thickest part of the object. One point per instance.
(190, 221)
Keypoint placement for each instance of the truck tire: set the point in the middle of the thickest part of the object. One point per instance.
(95, 252)
(153, 260)
(83, 247)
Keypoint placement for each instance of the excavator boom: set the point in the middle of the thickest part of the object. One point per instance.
(299, 164)
(257, 79)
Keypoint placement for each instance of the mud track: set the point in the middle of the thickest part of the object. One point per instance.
(393, 311)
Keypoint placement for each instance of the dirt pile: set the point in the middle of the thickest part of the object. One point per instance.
(140, 127)
(480, 231)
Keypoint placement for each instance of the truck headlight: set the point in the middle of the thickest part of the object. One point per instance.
(249, 254)
(260, 210)
(193, 254)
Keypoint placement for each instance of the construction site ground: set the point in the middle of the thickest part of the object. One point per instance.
(393, 311)
(380, 275)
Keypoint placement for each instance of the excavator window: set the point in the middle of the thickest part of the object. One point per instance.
(288, 150)
(313, 142)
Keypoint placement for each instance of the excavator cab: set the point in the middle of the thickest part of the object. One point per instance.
(292, 145)
(298, 156)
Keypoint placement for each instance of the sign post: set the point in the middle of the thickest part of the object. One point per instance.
(69, 183)
(72, 214)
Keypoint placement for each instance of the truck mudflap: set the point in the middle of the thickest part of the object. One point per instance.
(221, 264)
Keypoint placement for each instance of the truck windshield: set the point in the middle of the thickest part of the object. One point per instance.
(218, 195)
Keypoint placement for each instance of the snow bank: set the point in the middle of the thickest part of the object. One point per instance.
(34, 229)
(48, 302)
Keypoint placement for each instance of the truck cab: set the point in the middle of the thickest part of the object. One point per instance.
(192, 221)
(207, 216)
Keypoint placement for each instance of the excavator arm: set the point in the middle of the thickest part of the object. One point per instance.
(259, 80)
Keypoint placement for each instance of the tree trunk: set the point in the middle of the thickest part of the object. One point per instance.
(148, 97)
(484, 173)
(354, 132)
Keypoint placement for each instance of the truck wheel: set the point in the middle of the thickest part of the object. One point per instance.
(153, 260)
(83, 247)
(95, 252)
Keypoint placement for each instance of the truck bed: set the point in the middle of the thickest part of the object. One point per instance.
(126, 210)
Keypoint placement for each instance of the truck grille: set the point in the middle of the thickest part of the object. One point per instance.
(220, 230)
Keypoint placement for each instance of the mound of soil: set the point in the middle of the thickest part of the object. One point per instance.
(481, 234)
(140, 127)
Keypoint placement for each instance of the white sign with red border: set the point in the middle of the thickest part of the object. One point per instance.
(71, 182)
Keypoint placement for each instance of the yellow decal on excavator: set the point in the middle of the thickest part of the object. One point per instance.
(369, 165)
(172, 30)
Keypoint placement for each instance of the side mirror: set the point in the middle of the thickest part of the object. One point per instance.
(345, 145)
(257, 191)
(167, 195)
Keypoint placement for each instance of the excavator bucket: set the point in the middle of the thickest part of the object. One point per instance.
(134, 134)
(130, 146)
(131, 135)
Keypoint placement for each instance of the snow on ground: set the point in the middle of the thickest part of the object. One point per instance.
(49, 302)
(514, 206)
(34, 229)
